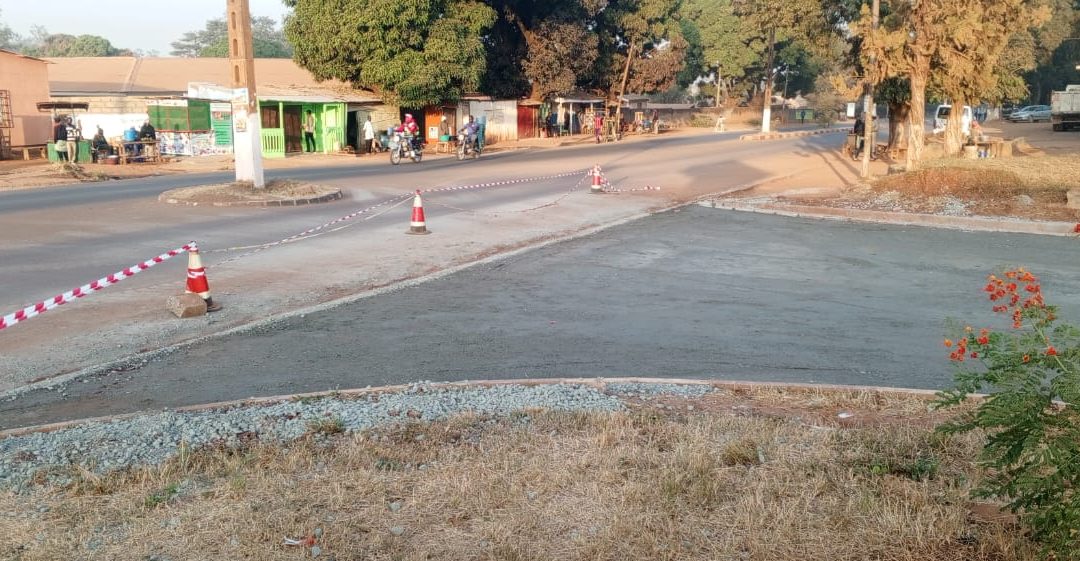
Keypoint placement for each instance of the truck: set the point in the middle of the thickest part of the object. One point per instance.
(1065, 108)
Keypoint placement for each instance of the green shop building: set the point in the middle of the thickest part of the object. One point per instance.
(188, 101)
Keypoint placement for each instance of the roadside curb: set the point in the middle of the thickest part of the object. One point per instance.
(600, 384)
(970, 223)
(266, 203)
(792, 134)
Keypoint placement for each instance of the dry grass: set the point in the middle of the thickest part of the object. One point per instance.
(275, 189)
(1033, 176)
(637, 485)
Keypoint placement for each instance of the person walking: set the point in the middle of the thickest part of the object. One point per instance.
(309, 131)
(598, 125)
(369, 136)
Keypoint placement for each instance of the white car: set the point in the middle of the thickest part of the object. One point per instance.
(941, 116)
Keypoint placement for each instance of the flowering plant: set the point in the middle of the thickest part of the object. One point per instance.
(1032, 413)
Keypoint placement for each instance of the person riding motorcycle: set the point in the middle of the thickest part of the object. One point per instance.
(470, 129)
(410, 130)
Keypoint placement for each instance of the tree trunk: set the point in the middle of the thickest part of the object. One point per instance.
(898, 116)
(917, 116)
(766, 111)
(954, 132)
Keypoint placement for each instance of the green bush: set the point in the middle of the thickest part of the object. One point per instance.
(1032, 414)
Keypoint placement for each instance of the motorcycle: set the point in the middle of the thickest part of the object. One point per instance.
(466, 148)
(403, 146)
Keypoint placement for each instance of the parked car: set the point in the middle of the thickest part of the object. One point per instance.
(1008, 109)
(1031, 114)
(941, 117)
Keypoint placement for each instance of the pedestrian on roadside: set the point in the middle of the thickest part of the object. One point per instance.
(598, 125)
(369, 136)
(309, 131)
(60, 138)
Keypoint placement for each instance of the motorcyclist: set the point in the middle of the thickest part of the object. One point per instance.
(470, 128)
(410, 130)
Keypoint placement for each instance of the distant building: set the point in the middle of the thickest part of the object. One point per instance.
(186, 100)
(24, 82)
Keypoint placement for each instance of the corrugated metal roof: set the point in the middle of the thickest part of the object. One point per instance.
(171, 76)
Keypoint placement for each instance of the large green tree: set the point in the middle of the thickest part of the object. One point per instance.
(268, 40)
(730, 45)
(412, 52)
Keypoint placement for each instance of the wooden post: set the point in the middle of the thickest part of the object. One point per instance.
(247, 151)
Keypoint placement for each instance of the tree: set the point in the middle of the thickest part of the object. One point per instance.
(42, 44)
(268, 41)
(981, 30)
(729, 45)
(412, 52)
(778, 20)
(8, 38)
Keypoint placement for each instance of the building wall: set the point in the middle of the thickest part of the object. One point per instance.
(500, 118)
(111, 104)
(28, 81)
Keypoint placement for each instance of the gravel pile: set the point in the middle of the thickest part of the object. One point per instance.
(153, 438)
(636, 389)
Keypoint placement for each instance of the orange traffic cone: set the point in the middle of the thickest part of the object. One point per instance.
(196, 280)
(597, 181)
(417, 226)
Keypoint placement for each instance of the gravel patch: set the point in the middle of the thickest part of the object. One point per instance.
(151, 439)
(637, 389)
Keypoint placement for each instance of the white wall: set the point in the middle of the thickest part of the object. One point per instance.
(112, 124)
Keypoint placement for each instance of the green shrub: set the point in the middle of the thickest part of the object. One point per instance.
(1032, 414)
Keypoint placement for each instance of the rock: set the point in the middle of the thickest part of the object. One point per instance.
(315, 550)
(397, 530)
(1024, 200)
(395, 506)
(186, 305)
(1073, 197)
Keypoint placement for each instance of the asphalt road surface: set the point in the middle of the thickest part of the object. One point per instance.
(695, 293)
(56, 238)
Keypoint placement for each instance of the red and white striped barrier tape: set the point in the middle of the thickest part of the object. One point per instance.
(390, 201)
(504, 182)
(87, 289)
(612, 189)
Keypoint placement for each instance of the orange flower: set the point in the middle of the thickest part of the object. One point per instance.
(984, 340)
(948, 342)
(1027, 358)
(1051, 351)
(974, 355)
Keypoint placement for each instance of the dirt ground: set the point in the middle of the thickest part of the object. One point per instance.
(1030, 185)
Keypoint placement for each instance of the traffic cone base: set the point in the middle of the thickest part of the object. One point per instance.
(196, 280)
(597, 181)
(418, 226)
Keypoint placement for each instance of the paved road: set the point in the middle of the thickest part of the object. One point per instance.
(56, 238)
(695, 293)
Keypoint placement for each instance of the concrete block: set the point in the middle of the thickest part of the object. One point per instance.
(186, 305)
(1073, 198)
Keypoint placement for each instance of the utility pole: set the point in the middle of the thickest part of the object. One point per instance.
(622, 90)
(766, 111)
(717, 104)
(869, 136)
(247, 150)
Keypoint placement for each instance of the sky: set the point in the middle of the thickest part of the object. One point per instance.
(150, 25)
